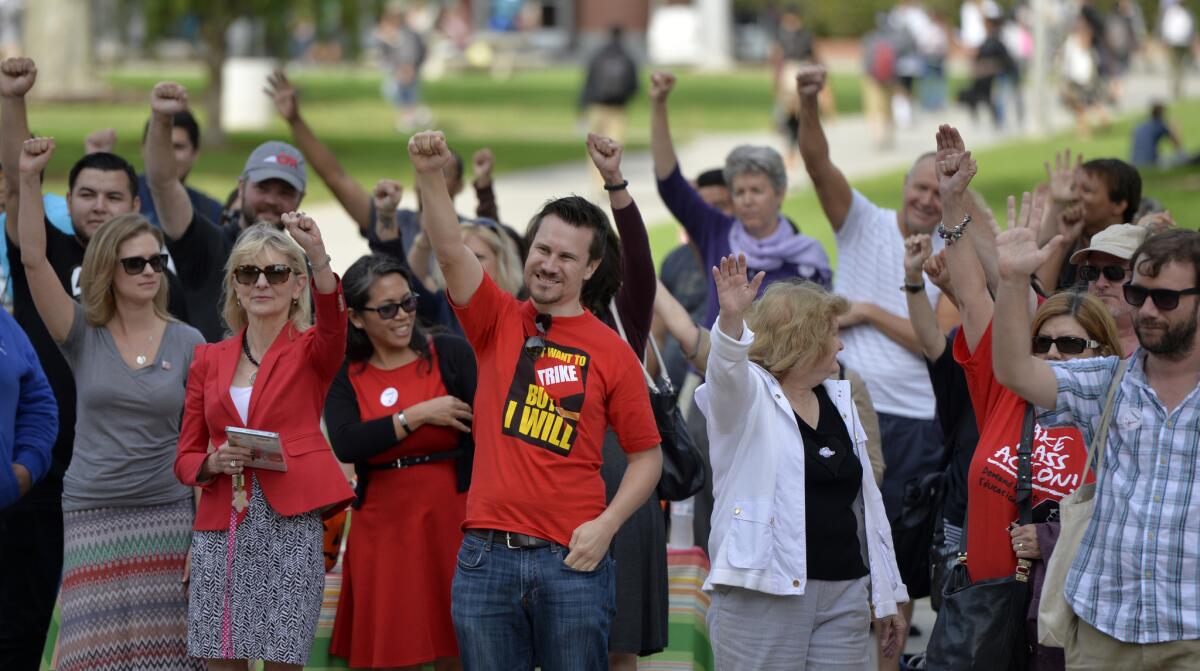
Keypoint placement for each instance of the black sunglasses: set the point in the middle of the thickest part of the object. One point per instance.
(535, 345)
(134, 265)
(1164, 299)
(1093, 273)
(276, 274)
(390, 310)
(1065, 344)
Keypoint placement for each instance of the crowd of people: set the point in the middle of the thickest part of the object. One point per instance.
(192, 392)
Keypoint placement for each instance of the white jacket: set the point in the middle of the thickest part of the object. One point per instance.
(758, 525)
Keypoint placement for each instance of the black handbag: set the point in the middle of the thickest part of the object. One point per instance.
(982, 625)
(683, 469)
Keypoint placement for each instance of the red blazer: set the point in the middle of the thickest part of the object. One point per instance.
(288, 396)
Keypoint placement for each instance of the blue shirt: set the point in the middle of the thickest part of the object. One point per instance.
(1145, 141)
(28, 411)
(56, 213)
(202, 203)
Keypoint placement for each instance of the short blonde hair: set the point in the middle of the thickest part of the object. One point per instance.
(251, 244)
(100, 266)
(793, 322)
(1089, 312)
(508, 259)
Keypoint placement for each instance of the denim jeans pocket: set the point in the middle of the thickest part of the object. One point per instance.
(600, 568)
(472, 553)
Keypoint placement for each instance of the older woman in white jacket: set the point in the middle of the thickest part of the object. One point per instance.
(801, 550)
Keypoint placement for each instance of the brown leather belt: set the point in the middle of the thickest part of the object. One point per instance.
(512, 540)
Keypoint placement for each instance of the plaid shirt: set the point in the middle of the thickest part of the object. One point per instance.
(1137, 574)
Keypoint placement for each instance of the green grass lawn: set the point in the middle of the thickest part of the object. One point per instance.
(529, 120)
(1009, 170)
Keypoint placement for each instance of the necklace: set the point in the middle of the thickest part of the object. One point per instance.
(141, 358)
(246, 349)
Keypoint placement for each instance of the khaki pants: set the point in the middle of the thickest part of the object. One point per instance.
(1089, 649)
(607, 120)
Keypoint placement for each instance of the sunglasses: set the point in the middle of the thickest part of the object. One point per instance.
(535, 345)
(390, 310)
(1093, 273)
(1065, 344)
(134, 265)
(1164, 299)
(276, 274)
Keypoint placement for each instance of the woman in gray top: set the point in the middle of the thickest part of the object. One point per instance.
(126, 519)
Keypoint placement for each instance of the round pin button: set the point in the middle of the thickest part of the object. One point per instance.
(388, 397)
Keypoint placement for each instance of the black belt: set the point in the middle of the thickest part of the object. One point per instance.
(512, 540)
(415, 460)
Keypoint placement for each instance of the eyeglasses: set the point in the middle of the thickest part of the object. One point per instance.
(1093, 273)
(1164, 299)
(134, 265)
(276, 274)
(1065, 344)
(535, 345)
(390, 310)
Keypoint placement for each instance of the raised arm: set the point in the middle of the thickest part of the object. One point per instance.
(54, 305)
(352, 197)
(1024, 374)
(662, 148)
(17, 76)
(429, 154)
(693, 340)
(830, 184)
(171, 200)
(386, 198)
(485, 194)
(728, 374)
(917, 249)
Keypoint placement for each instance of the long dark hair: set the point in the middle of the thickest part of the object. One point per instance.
(356, 284)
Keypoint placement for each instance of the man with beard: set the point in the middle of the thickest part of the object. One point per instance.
(879, 340)
(1104, 266)
(100, 186)
(1135, 582)
(535, 581)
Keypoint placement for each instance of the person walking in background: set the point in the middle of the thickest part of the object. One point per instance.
(125, 518)
(794, 45)
(258, 572)
(28, 415)
(403, 54)
(399, 410)
(610, 82)
(1177, 29)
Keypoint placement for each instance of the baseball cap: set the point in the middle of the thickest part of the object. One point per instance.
(276, 160)
(1120, 240)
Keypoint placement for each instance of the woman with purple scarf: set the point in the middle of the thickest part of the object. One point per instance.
(758, 184)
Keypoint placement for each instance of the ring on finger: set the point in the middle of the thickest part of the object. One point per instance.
(233, 463)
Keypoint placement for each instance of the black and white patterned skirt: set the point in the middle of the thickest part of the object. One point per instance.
(267, 606)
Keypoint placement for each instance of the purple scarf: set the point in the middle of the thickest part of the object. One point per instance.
(784, 246)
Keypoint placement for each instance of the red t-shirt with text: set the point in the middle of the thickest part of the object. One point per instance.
(1058, 458)
(539, 424)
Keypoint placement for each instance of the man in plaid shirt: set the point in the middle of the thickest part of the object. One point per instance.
(1135, 582)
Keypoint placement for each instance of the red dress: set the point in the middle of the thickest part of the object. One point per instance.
(403, 543)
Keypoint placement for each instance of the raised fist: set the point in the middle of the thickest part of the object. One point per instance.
(17, 76)
(35, 155)
(810, 79)
(305, 232)
(661, 84)
(481, 164)
(168, 98)
(428, 151)
(387, 195)
(103, 140)
(606, 155)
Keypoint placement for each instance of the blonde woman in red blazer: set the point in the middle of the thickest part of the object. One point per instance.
(257, 572)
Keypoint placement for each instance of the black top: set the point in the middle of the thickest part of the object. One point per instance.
(65, 254)
(204, 204)
(355, 441)
(199, 257)
(957, 419)
(832, 481)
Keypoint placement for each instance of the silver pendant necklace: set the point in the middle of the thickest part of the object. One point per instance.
(141, 358)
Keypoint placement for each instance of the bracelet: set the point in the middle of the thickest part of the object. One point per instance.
(617, 187)
(404, 423)
(952, 235)
(695, 347)
(324, 265)
(913, 288)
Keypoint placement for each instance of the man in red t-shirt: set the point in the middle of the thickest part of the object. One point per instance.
(535, 583)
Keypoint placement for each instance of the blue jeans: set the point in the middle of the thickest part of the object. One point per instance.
(520, 608)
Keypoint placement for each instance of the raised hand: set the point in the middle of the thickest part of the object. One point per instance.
(735, 294)
(955, 167)
(606, 156)
(103, 140)
(661, 85)
(305, 232)
(428, 151)
(1157, 222)
(283, 94)
(939, 273)
(481, 165)
(387, 195)
(35, 155)
(168, 98)
(1070, 223)
(1017, 252)
(1062, 175)
(17, 76)
(810, 79)
(917, 249)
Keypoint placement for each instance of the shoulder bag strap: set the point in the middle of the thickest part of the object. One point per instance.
(612, 307)
(1025, 469)
(1100, 438)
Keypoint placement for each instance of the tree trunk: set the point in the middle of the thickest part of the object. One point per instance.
(62, 49)
(212, 30)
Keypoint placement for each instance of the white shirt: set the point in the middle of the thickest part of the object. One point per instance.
(871, 269)
(241, 400)
(758, 536)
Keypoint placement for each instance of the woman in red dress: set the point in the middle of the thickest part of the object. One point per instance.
(399, 411)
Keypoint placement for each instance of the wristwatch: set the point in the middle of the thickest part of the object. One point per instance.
(913, 288)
